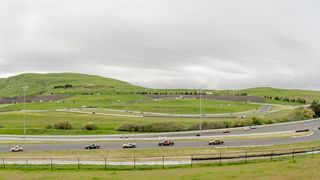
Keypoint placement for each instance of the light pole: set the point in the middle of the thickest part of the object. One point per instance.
(25, 88)
(200, 105)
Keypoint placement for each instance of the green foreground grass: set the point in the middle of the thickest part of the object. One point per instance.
(305, 167)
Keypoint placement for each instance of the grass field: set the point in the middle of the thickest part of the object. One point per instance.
(305, 167)
(12, 122)
(180, 106)
(188, 106)
(77, 101)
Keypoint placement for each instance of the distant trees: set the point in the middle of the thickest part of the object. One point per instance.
(241, 94)
(286, 99)
(63, 86)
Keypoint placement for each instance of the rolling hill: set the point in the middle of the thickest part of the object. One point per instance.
(61, 83)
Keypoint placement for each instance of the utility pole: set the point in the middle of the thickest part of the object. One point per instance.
(200, 117)
(25, 88)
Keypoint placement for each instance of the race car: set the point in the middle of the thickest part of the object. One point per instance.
(129, 145)
(225, 131)
(17, 149)
(92, 146)
(166, 143)
(216, 142)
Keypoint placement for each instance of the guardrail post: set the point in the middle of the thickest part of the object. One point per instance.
(163, 162)
(271, 156)
(51, 163)
(26, 163)
(4, 165)
(105, 163)
(78, 163)
(191, 160)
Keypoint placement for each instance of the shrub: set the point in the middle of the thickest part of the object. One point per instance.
(153, 127)
(256, 121)
(270, 121)
(90, 126)
(63, 125)
(301, 114)
(49, 126)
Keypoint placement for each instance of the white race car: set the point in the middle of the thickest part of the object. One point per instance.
(17, 149)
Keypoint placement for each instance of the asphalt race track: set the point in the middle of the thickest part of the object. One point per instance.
(78, 142)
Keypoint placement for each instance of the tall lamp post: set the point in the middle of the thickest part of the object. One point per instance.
(25, 88)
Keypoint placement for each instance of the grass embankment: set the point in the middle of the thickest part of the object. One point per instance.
(305, 167)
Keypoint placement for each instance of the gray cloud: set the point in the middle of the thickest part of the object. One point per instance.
(166, 44)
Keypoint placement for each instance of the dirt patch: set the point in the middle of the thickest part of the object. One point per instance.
(212, 97)
(38, 98)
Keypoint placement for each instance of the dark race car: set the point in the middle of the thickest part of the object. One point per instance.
(216, 142)
(166, 143)
(92, 146)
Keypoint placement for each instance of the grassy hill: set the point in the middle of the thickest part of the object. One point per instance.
(309, 95)
(42, 84)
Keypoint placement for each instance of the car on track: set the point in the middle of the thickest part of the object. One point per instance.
(129, 145)
(249, 128)
(123, 136)
(216, 142)
(166, 143)
(16, 149)
(225, 131)
(92, 146)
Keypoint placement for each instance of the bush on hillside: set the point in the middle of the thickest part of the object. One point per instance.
(256, 121)
(49, 126)
(301, 114)
(63, 125)
(90, 126)
(153, 127)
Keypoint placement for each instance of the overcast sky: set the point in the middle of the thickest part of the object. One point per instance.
(225, 44)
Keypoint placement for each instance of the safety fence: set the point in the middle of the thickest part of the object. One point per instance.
(159, 161)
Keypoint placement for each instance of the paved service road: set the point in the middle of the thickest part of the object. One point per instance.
(312, 125)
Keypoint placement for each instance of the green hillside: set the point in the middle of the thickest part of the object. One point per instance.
(309, 95)
(56, 83)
